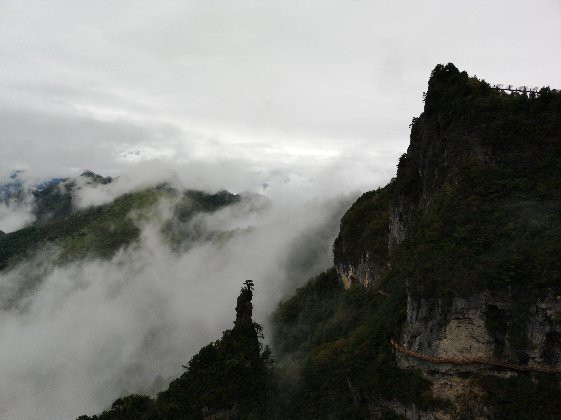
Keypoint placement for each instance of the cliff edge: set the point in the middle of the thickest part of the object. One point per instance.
(472, 225)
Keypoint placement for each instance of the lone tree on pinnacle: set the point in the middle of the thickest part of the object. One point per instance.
(230, 378)
(244, 307)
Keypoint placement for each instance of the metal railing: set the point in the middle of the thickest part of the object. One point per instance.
(520, 89)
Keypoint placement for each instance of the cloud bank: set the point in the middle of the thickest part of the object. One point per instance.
(94, 330)
(104, 86)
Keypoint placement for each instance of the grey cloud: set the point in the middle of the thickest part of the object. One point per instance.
(53, 145)
(94, 330)
(15, 215)
(330, 74)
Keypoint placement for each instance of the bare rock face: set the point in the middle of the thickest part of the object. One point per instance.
(544, 332)
(369, 269)
(396, 227)
(366, 273)
(486, 326)
(446, 329)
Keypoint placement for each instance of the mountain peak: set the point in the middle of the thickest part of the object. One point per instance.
(95, 178)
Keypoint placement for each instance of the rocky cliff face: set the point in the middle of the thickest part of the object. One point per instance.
(472, 222)
(485, 326)
(367, 272)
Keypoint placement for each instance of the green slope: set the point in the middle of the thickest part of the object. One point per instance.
(100, 231)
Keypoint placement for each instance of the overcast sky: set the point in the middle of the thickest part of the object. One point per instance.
(289, 86)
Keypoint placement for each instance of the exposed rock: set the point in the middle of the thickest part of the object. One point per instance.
(473, 328)
(367, 273)
(397, 226)
(463, 394)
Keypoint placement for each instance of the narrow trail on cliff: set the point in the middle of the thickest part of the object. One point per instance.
(473, 361)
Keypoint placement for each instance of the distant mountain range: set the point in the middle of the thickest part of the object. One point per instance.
(100, 231)
(15, 185)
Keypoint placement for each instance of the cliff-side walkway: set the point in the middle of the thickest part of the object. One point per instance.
(471, 361)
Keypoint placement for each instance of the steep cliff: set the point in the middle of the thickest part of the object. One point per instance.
(472, 224)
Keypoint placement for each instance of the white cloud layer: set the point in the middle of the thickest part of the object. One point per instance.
(94, 330)
(104, 85)
(14, 216)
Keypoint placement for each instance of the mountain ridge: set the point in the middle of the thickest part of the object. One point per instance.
(68, 234)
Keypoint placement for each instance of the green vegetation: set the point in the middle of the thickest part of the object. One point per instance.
(55, 201)
(367, 223)
(229, 378)
(101, 231)
(479, 191)
(521, 396)
(494, 220)
(178, 233)
(336, 358)
(504, 119)
(486, 233)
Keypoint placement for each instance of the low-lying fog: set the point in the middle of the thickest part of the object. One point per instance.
(96, 330)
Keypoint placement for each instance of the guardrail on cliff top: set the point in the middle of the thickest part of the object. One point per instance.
(520, 89)
(473, 361)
